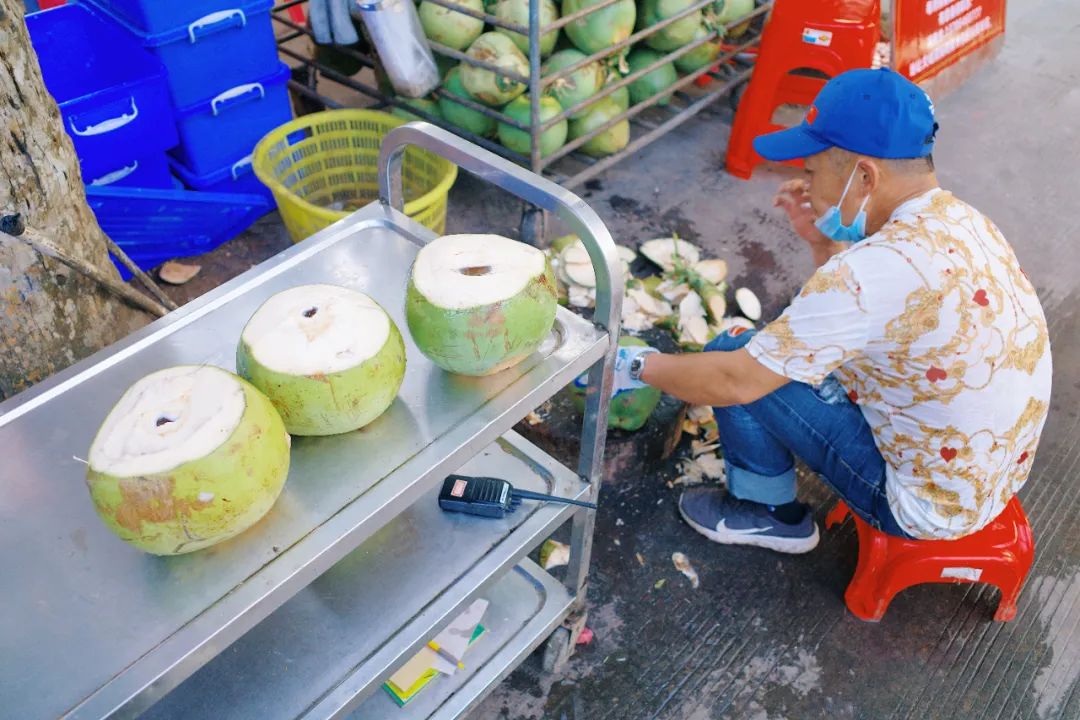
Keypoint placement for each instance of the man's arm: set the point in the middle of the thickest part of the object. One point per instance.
(718, 379)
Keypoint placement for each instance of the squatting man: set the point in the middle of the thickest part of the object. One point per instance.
(911, 372)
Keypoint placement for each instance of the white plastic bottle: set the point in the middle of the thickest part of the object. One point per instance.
(395, 31)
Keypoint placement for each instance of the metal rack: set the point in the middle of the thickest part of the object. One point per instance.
(307, 613)
(566, 166)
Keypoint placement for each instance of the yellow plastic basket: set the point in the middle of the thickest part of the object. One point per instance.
(323, 166)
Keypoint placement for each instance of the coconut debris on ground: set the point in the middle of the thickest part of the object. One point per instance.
(688, 298)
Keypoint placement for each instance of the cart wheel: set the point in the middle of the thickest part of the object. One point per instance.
(557, 650)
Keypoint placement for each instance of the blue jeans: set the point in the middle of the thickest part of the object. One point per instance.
(819, 425)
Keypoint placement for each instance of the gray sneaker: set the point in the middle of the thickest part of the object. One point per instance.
(723, 518)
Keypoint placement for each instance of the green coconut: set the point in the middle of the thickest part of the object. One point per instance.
(621, 97)
(628, 410)
(444, 64)
(518, 140)
(329, 358)
(425, 104)
(579, 85)
(449, 27)
(610, 141)
(479, 304)
(673, 36)
(457, 114)
(517, 12)
(485, 85)
(701, 56)
(653, 82)
(190, 456)
(733, 10)
(599, 30)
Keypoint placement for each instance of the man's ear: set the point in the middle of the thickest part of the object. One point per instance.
(869, 175)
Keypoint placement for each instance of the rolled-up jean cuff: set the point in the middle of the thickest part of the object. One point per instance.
(765, 489)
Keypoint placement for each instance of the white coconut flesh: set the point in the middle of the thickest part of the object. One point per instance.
(316, 329)
(692, 319)
(581, 274)
(648, 304)
(581, 297)
(712, 270)
(459, 272)
(672, 291)
(576, 266)
(576, 254)
(748, 303)
(166, 419)
(664, 252)
(717, 306)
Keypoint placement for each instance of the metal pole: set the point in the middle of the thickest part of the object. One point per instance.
(532, 218)
(534, 85)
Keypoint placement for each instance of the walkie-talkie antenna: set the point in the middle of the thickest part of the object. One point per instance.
(529, 495)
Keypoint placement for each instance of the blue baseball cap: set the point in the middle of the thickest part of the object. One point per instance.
(878, 113)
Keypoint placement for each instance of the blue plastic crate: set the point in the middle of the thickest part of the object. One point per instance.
(112, 94)
(149, 171)
(237, 177)
(152, 17)
(211, 53)
(216, 131)
(153, 226)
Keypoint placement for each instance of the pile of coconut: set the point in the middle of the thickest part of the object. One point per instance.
(688, 296)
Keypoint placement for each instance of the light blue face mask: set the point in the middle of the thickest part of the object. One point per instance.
(831, 224)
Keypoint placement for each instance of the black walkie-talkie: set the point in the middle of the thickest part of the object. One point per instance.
(490, 497)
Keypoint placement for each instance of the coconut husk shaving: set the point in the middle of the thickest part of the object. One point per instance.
(688, 296)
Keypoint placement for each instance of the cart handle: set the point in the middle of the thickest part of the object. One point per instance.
(530, 187)
(583, 221)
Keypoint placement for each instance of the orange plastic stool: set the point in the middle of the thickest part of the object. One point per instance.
(825, 36)
(1000, 554)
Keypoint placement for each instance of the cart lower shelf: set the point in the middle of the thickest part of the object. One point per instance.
(527, 604)
(333, 644)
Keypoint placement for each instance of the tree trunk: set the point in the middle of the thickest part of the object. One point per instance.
(50, 316)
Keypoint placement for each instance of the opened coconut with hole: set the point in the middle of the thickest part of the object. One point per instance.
(329, 358)
(479, 304)
(189, 456)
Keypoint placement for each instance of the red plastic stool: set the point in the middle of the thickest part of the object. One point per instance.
(999, 554)
(296, 14)
(825, 36)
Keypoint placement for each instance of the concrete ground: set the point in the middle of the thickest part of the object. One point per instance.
(767, 636)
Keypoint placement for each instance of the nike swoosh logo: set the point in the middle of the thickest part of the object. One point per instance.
(722, 527)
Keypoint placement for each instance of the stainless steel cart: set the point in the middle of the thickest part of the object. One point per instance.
(355, 567)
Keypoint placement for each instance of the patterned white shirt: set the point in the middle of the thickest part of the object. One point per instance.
(935, 331)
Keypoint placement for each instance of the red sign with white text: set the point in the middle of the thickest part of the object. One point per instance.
(930, 35)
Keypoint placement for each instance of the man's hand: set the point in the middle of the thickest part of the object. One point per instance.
(623, 382)
(794, 198)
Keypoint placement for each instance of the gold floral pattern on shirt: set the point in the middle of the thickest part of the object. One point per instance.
(838, 279)
(935, 331)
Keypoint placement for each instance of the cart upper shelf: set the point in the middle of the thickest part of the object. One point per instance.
(92, 627)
